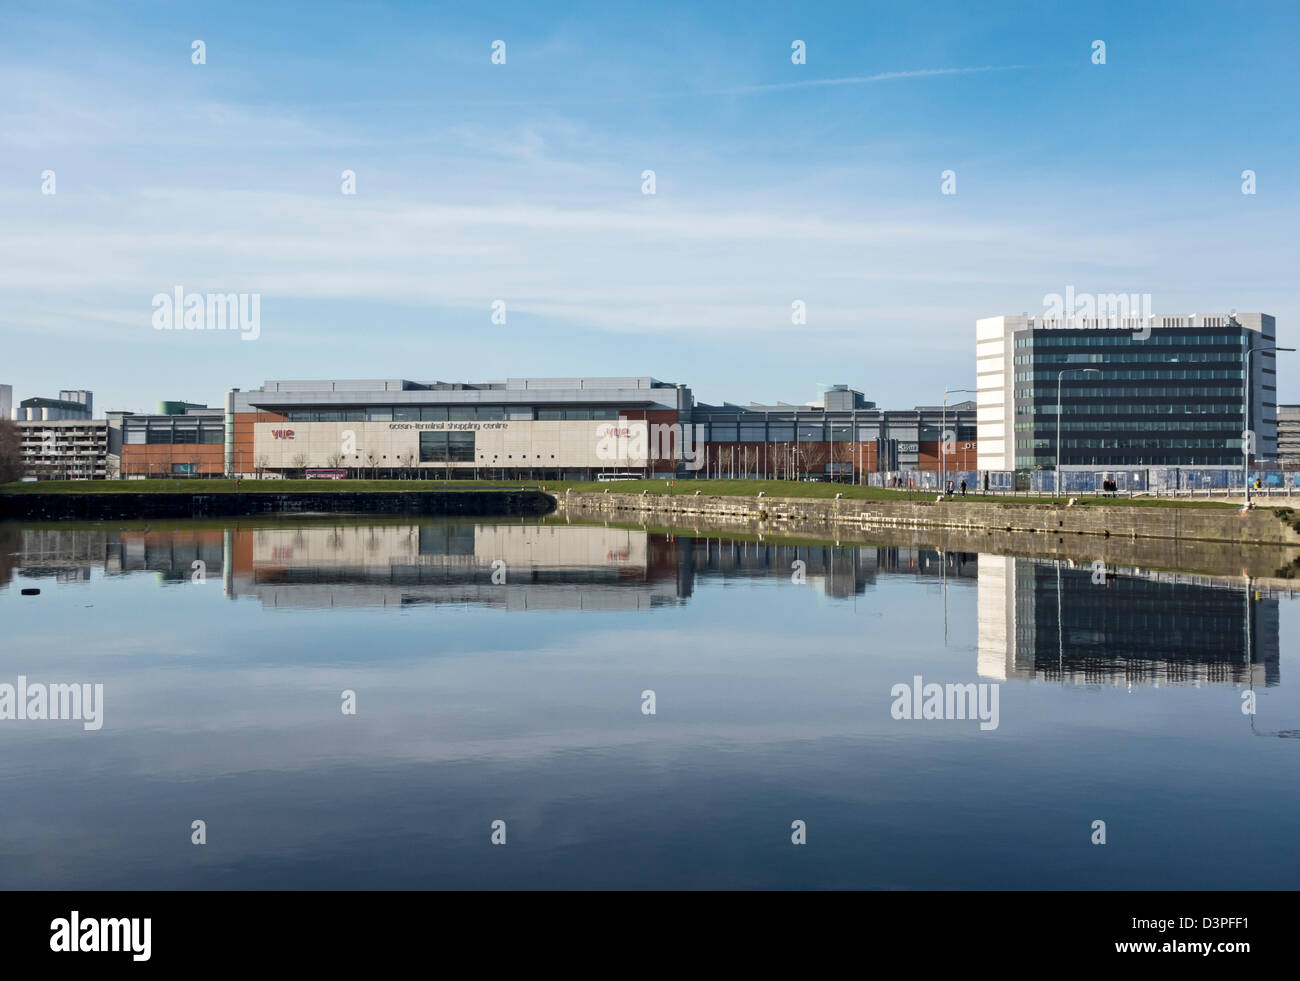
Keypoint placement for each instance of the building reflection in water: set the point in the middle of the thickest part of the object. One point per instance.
(558, 566)
(1054, 621)
(550, 566)
(1038, 619)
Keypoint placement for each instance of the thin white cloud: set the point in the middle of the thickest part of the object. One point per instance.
(658, 266)
(865, 79)
(545, 213)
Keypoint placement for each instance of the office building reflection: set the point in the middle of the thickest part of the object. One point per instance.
(1054, 621)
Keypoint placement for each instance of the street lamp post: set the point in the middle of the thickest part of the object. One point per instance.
(1059, 375)
(943, 426)
(1245, 438)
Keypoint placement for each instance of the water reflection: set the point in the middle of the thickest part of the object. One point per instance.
(1053, 621)
(553, 566)
(1038, 619)
(479, 701)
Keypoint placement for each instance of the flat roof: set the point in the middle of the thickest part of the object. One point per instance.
(787, 407)
(407, 385)
(638, 391)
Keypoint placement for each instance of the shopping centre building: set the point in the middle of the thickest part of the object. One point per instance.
(537, 429)
(576, 428)
(526, 428)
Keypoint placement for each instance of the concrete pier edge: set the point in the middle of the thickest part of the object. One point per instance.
(1262, 525)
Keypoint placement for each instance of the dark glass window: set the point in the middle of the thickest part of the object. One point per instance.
(550, 413)
(447, 539)
(406, 413)
(491, 412)
(461, 447)
(723, 432)
(433, 447)
(433, 413)
(446, 447)
(460, 412)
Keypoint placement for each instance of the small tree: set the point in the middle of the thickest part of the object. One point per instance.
(262, 463)
(776, 460)
(813, 457)
(845, 453)
(299, 463)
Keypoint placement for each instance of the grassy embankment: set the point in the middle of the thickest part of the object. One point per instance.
(685, 488)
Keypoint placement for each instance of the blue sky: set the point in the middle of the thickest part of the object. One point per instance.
(522, 182)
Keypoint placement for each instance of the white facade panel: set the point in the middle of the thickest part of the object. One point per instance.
(609, 444)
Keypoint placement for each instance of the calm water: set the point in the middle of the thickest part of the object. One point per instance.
(478, 701)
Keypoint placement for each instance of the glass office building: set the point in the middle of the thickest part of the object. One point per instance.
(1168, 392)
